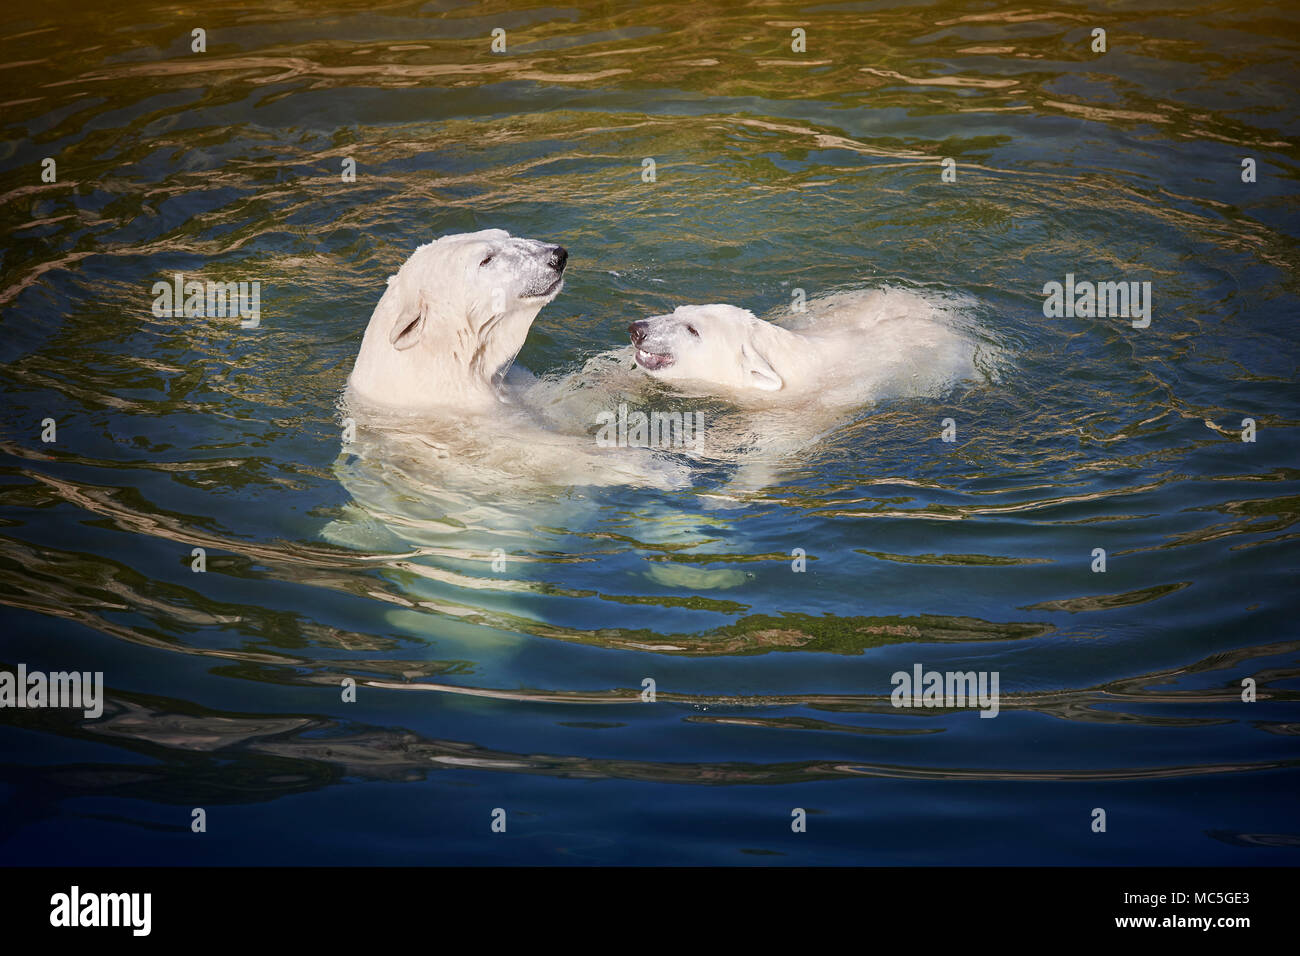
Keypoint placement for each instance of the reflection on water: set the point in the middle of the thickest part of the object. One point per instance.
(499, 632)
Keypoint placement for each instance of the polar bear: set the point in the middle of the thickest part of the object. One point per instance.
(452, 320)
(788, 387)
(853, 347)
(433, 392)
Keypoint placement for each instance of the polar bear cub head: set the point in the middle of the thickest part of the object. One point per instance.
(722, 345)
(452, 320)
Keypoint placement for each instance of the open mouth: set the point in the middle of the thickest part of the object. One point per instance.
(652, 361)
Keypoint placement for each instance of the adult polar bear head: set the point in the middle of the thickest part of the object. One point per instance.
(452, 320)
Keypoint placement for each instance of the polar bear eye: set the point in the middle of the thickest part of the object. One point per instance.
(486, 259)
(691, 329)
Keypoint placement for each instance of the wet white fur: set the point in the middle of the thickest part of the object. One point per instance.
(848, 349)
(447, 326)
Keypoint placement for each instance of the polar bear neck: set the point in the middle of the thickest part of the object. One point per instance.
(790, 354)
(462, 372)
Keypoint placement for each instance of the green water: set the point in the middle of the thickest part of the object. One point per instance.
(774, 170)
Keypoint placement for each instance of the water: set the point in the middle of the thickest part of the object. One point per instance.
(519, 689)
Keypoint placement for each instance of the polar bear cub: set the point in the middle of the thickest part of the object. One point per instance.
(852, 347)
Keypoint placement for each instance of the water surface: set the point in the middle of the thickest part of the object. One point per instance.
(520, 689)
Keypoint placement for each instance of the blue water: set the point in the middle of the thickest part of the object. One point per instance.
(775, 170)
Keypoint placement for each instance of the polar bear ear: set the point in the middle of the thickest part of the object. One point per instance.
(409, 325)
(757, 371)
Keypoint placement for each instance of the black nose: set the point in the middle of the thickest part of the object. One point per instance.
(637, 331)
(559, 256)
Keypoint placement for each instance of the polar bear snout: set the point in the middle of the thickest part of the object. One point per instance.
(552, 259)
(654, 351)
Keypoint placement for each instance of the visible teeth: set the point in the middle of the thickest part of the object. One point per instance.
(651, 361)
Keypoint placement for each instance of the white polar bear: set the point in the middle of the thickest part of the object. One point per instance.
(854, 347)
(453, 319)
(429, 387)
(791, 386)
